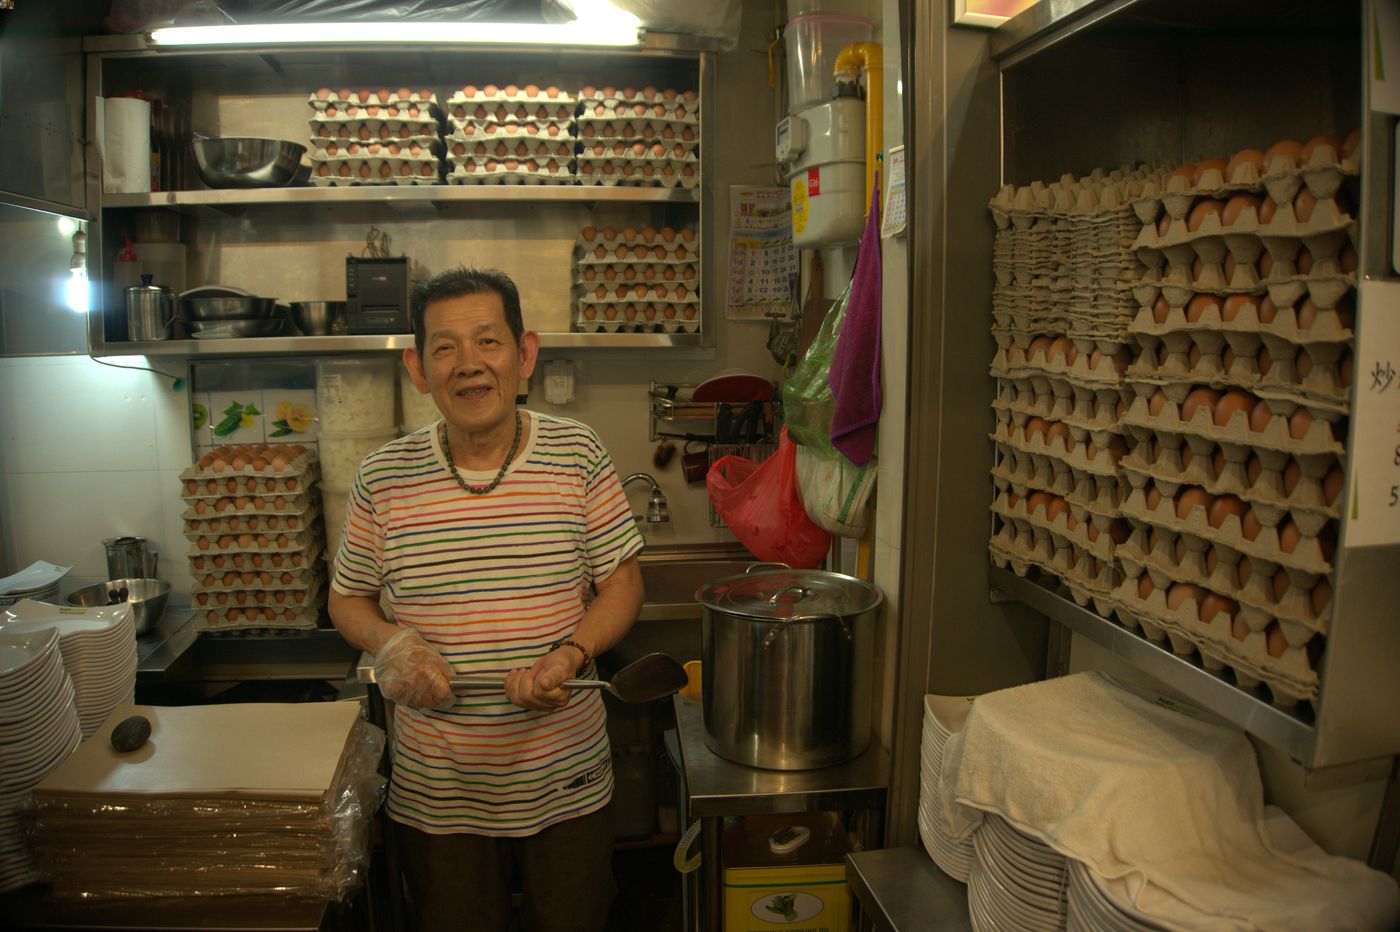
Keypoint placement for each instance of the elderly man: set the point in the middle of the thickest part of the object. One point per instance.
(505, 545)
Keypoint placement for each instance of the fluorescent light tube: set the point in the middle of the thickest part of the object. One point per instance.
(618, 30)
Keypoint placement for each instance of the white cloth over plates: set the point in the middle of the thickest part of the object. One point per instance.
(1169, 810)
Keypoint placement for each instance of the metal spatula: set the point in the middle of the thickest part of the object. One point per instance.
(654, 676)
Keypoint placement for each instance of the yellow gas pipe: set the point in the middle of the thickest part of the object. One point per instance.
(850, 62)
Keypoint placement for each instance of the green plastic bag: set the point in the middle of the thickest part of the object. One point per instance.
(808, 403)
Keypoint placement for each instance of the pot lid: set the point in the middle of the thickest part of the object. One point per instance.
(787, 593)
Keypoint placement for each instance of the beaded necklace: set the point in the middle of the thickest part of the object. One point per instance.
(473, 489)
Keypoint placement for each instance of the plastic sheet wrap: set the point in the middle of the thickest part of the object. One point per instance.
(98, 848)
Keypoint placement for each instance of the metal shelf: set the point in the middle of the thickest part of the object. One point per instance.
(1247, 709)
(310, 346)
(406, 194)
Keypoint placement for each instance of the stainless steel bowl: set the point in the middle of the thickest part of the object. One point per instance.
(221, 302)
(317, 318)
(245, 161)
(147, 598)
(236, 329)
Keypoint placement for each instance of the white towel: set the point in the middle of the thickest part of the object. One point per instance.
(1169, 809)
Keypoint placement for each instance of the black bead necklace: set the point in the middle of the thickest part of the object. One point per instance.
(483, 489)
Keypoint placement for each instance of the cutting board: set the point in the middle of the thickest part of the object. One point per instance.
(259, 750)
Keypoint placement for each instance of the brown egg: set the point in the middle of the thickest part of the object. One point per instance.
(1060, 430)
(1234, 304)
(1144, 586)
(1034, 426)
(1239, 628)
(1259, 418)
(1225, 506)
(1037, 501)
(1285, 148)
(1347, 258)
(1299, 423)
(1038, 348)
(1279, 584)
(1119, 530)
(1303, 262)
(1303, 205)
(1091, 531)
(1187, 171)
(1164, 224)
(1253, 469)
(1267, 310)
(1204, 208)
(1319, 597)
(1250, 528)
(1213, 605)
(1303, 364)
(1276, 642)
(1198, 398)
(1266, 211)
(1190, 498)
(1011, 499)
(1244, 570)
(1156, 403)
(1234, 402)
(1289, 537)
(1266, 265)
(1204, 166)
(1198, 305)
(1227, 358)
(1327, 541)
(1237, 205)
(1332, 484)
(1244, 157)
(1180, 593)
(1153, 497)
(1160, 309)
(1351, 144)
(1326, 140)
(1061, 348)
(1055, 507)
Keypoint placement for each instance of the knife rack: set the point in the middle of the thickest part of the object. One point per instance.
(672, 414)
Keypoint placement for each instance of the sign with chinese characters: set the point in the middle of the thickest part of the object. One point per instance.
(762, 259)
(1373, 463)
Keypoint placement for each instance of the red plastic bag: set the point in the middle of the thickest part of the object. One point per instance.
(762, 505)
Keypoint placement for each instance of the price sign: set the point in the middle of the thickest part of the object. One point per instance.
(1373, 463)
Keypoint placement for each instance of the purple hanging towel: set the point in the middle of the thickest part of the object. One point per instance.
(855, 365)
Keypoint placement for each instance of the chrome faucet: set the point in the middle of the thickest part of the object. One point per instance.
(658, 512)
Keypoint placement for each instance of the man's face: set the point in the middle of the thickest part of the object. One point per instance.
(471, 363)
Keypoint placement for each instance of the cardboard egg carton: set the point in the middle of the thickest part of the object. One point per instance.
(513, 93)
(635, 129)
(527, 171)
(609, 246)
(366, 97)
(1086, 456)
(299, 594)
(236, 485)
(562, 153)
(677, 112)
(1309, 554)
(626, 272)
(605, 293)
(687, 100)
(654, 151)
(376, 127)
(1290, 677)
(1086, 491)
(280, 542)
(1325, 230)
(278, 461)
(1274, 444)
(394, 113)
(1327, 324)
(1093, 367)
(641, 316)
(235, 522)
(1179, 282)
(373, 156)
(279, 563)
(647, 172)
(1325, 387)
(1306, 502)
(255, 619)
(226, 581)
(461, 110)
(427, 175)
(471, 131)
(1090, 532)
(413, 146)
(1020, 546)
(1083, 409)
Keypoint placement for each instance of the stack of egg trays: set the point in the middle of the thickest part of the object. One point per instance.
(510, 135)
(1207, 320)
(375, 137)
(646, 137)
(254, 538)
(636, 280)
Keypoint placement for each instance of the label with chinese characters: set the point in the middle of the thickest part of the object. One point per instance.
(1373, 463)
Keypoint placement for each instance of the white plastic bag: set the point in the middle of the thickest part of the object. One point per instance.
(834, 491)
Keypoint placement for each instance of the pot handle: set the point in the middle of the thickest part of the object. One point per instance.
(755, 566)
(798, 619)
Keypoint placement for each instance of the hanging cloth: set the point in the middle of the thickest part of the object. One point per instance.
(855, 366)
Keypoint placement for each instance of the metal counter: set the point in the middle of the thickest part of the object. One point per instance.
(716, 788)
(902, 890)
(163, 651)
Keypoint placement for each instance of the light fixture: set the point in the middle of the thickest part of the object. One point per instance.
(75, 290)
(598, 23)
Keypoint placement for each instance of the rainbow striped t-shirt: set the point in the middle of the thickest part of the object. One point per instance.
(491, 581)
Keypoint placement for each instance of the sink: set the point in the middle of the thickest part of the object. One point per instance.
(671, 580)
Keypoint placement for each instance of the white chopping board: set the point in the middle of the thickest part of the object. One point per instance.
(249, 750)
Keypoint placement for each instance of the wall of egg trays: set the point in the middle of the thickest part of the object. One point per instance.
(506, 135)
(1183, 473)
(632, 279)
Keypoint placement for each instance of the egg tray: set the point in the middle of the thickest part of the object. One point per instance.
(398, 110)
(637, 251)
(1010, 363)
(468, 173)
(346, 132)
(1228, 540)
(293, 562)
(687, 273)
(1039, 548)
(634, 151)
(1089, 532)
(666, 173)
(613, 110)
(1307, 503)
(670, 317)
(1290, 678)
(1081, 408)
(670, 99)
(470, 131)
(295, 542)
(226, 506)
(675, 293)
(461, 110)
(512, 93)
(375, 168)
(1274, 443)
(634, 130)
(397, 97)
(333, 147)
(245, 521)
(258, 484)
(1085, 491)
(518, 148)
(1324, 388)
(263, 580)
(1075, 456)
(299, 466)
(1099, 193)
(1323, 175)
(471, 165)
(1294, 611)
(243, 619)
(1326, 230)
(319, 181)
(657, 324)
(294, 597)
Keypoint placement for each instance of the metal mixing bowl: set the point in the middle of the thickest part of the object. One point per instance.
(221, 302)
(245, 161)
(146, 596)
(236, 329)
(316, 318)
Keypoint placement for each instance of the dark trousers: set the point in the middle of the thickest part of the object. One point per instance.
(461, 883)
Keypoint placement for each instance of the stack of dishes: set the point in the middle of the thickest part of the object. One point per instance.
(38, 730)
(943, 715)
(220, 312)
(37, 581)
(1017, 882)
(1092, 910)
(98, 647)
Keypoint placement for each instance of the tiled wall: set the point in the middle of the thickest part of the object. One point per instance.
(88, 451)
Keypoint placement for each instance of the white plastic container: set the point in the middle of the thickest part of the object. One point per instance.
(333, 502)
(343, 451)
(813, 41)
(355, 393)
(419, 410)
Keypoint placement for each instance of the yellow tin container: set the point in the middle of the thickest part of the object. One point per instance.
(786, 872)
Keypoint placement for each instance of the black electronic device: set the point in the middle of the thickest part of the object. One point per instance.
(377, 295)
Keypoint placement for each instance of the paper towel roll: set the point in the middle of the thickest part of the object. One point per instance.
(126, 146)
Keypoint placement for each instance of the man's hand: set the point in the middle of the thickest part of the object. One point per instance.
(411, 673)
(538, 687)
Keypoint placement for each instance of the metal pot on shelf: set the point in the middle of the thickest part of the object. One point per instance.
(786, 658)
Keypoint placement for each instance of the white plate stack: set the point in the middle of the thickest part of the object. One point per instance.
(38, 581)
(38, 730)
(1092, 910)
(98, 646)
(1017, 882)
(943, 715)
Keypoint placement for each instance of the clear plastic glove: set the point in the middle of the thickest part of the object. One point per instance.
(538, 687)
(410, 672)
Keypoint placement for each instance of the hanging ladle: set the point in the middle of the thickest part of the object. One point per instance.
(652, 677)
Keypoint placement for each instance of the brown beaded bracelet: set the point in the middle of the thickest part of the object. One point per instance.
(570, 642)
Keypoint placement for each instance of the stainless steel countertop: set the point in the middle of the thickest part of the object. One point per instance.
(159, 650)
(720, 787)
(902, 890)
